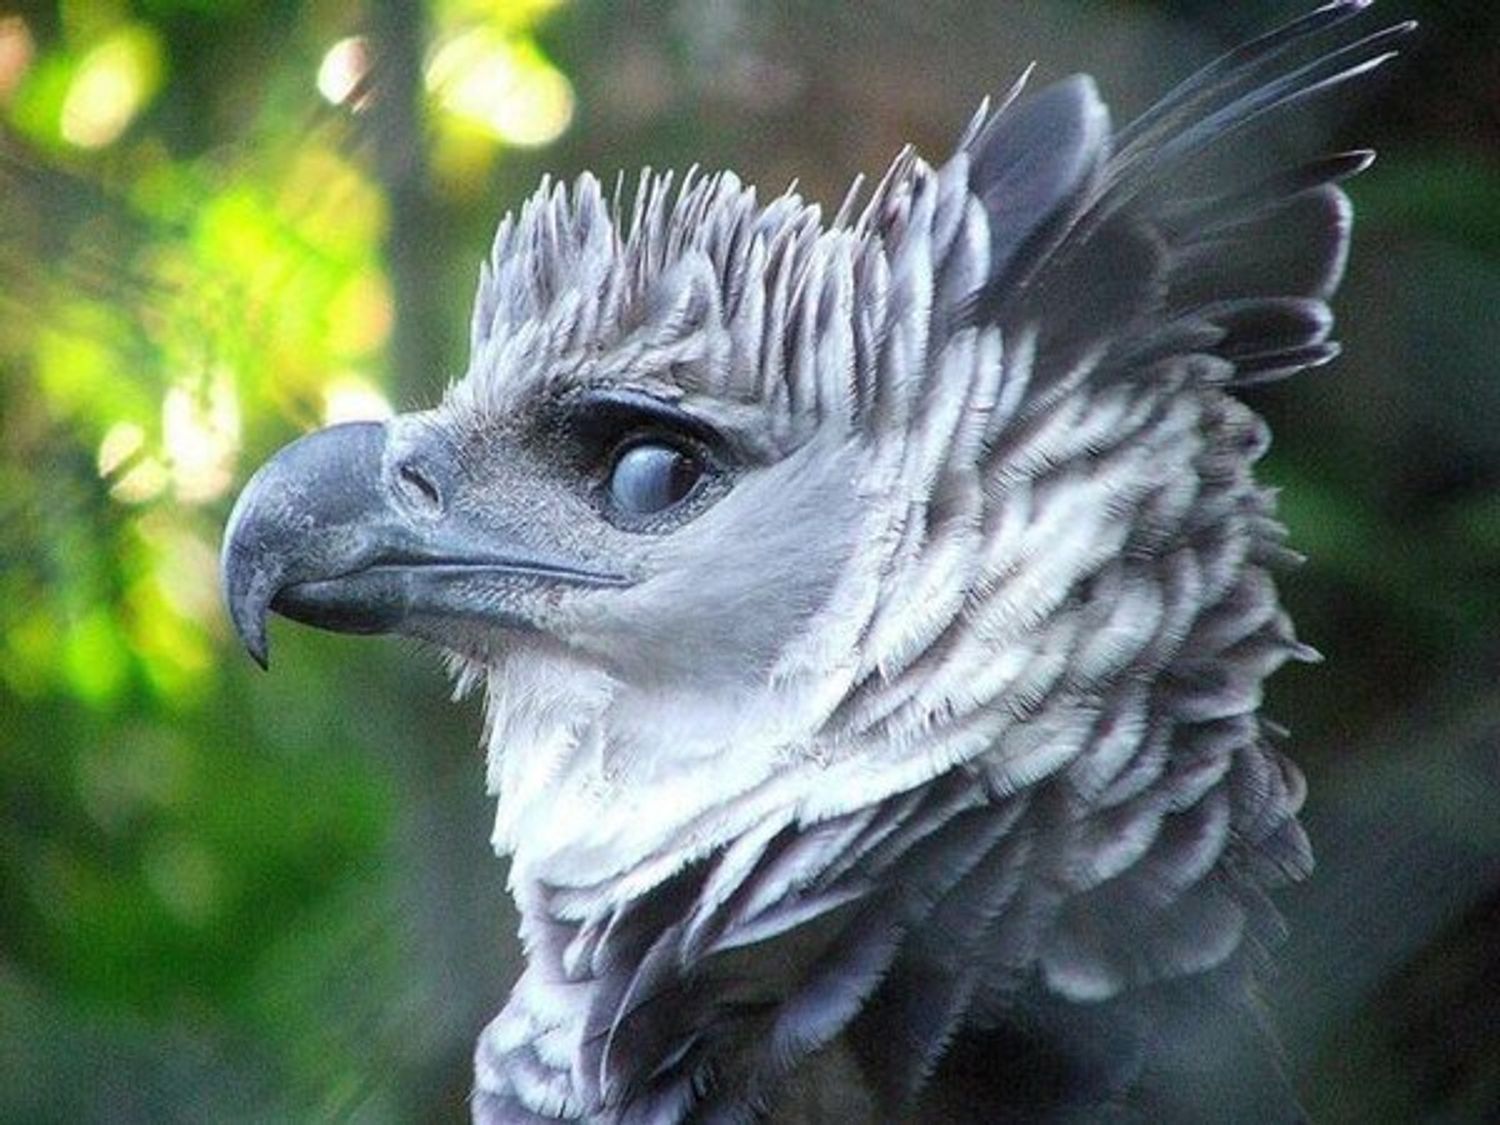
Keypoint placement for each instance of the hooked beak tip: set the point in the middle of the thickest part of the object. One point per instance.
(247, 596)
(250, 623)
(259, 651)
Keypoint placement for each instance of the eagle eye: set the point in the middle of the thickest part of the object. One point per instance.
(652, 476)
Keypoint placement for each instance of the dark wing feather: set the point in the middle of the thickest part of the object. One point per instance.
(1031, 165)
(1112, 241)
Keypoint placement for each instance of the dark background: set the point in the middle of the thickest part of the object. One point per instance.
(233, 896)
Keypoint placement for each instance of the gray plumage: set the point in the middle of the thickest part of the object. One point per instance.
(907, 765)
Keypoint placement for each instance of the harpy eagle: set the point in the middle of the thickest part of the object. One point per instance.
(872, 614)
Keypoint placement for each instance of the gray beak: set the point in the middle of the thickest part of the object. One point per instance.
(329, 533)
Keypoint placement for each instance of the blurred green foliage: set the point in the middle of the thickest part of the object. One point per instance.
(226, 896)
(192, 243)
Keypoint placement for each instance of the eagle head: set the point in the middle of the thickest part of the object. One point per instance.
(884, 595)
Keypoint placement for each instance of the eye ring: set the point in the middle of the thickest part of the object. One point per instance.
(651, 475)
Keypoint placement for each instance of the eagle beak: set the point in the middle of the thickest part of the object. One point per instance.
(322, 535)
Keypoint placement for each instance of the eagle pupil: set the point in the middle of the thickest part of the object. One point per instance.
(651, 477)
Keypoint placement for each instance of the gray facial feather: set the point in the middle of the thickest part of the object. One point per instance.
(936, 733)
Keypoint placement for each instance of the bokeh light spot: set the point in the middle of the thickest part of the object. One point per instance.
(145, 480)
(200, 436)
(342, 73)
(112, 84)
(17, 49)
(504, 86)
(350, 398)
(122, 442)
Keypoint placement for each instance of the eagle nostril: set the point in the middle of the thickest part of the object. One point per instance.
(419, 487)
